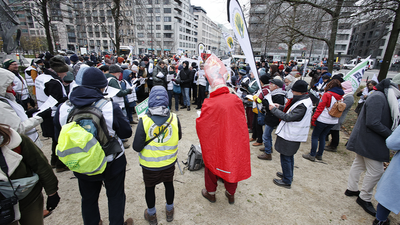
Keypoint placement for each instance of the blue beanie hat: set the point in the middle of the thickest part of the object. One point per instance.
(242, 71)
(93, 77)
(74, 58)
(158, 97)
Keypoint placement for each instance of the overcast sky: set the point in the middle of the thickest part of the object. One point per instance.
(216, 9)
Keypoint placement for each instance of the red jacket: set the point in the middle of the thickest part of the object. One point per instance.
(325, 103)
(224, 137)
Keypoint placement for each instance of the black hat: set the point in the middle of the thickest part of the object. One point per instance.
(115, 69)
(338, 77)
(300, 86)
(277, 82)
(145, 59)
(93, 77)
(265, 79)
(104, 68)
(288, 69)
(58, 65)
(74, 58)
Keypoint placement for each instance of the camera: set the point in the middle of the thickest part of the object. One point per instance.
(7, 214)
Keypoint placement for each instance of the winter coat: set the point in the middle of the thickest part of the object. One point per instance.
(387, 192)
(348, 99)
(186, 76)
(283, 146)
(84, 96)
(227, 156)
(372, 128)
(325, 102)
(25, 158)
(278, 96)
(160, 81)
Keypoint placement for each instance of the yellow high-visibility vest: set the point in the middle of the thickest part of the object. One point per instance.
(163, 150)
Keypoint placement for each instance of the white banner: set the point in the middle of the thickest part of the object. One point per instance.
(356, 74)
(201, 48)
(238, 23)
(229, 41)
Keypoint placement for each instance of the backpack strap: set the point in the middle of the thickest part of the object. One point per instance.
(100, 103)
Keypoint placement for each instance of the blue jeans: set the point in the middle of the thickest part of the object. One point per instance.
(170, 93)
(267, 139)
(177, 96)
(319, 133)
(186, 97)
(90, 191)
(287, 164)
(382, 213)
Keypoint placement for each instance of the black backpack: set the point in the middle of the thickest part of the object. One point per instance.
(195, 158)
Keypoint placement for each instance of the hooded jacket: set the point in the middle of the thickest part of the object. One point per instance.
(160, 81)
(186, 76)
(83, 96)
(11, 112)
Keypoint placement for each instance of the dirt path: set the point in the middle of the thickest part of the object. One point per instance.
(317, 194)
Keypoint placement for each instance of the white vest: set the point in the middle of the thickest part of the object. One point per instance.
(296, 131)
(108, 115)
(324, 117)
(132, 96)
(119, 100)
(41, 97)
(21, 87)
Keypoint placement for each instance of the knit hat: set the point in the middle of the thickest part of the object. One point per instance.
(277, 82)
(7, 63)
(145, 59)
(300, 86)
(48, 56)
(396, 79)
(337, 77)
(58, 65)
(107, 56)
(134, 68)
(288, 69)
(93, 77)
(74, 58)
(79, 75)
(325, 68)
(347, 87)
(69, 78)
(124, 67)
(318, 68)
(104, 68)
(115, 69)
(7, 77)
(265, 79)
(120, 59)
(242, 71)
(281, 67)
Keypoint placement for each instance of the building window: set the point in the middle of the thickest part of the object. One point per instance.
(166, 2)
(158, 27)
(148, 35)
(167, 10)
(150, 10)
(157, 10)
(158, 35)
(140, 35)
(167, 27)
(167, 35)
(158, 18)
(167, 19)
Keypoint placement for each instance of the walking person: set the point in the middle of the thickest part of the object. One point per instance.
(378, 117)
(156, 140)
(186, 82)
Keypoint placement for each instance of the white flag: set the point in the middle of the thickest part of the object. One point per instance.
(356, 74)
(229, 41)
(238, 23)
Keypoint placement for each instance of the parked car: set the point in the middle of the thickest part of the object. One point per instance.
(336, 66)
(70, 52)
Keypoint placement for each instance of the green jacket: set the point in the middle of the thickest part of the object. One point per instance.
(34, 161)
(114, 83)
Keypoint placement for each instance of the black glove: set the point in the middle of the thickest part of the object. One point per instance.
(45, 114)
(52, 201)
(129, 90)
(265, 103)
(31, 111)
(245, 85)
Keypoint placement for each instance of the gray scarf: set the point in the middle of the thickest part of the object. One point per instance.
(392, 94)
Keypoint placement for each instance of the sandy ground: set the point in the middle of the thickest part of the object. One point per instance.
(316, 197)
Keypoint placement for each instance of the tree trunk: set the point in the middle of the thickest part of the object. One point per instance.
(289, 52)
(116, 15)
(387, 58)
(46, 25)
(332, 41)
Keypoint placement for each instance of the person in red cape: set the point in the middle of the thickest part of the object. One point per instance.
(223, 135)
